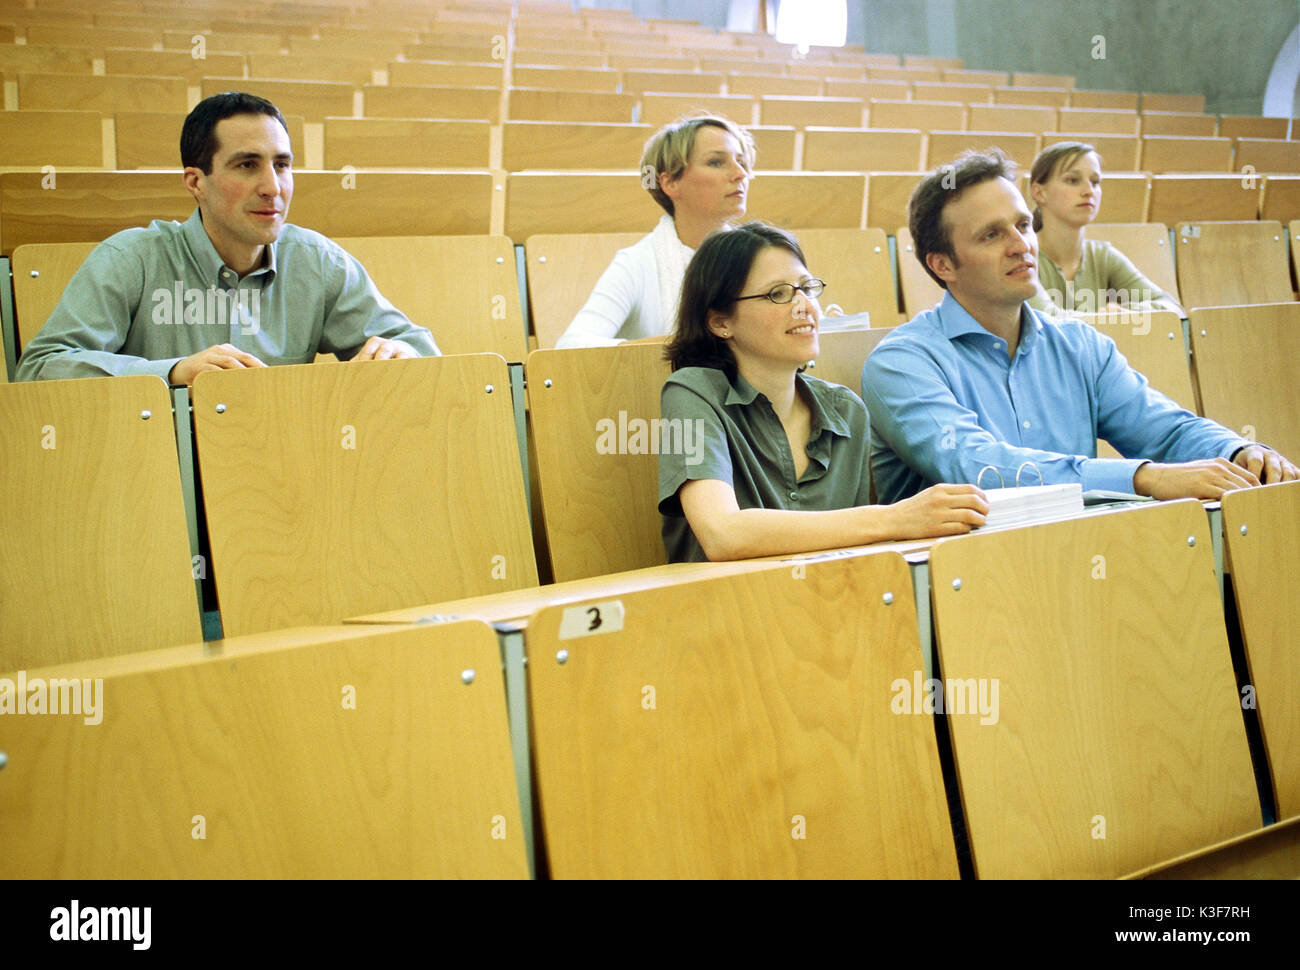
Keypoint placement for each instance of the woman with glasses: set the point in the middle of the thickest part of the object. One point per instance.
(756, 458)
(698, 170)
(1077, 274)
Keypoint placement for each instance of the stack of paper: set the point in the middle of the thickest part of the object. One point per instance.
(1010, 507)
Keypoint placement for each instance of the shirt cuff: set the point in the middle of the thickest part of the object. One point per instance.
(1110, 474)
(159, 368)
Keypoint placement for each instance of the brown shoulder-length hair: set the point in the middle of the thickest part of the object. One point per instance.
(714, 279)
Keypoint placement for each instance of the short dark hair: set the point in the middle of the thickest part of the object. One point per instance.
(714, 278)
(945, 185)
(199, 133)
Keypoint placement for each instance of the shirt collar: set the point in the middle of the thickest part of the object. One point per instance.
(824, 416)
(955, 321)
(206, 255)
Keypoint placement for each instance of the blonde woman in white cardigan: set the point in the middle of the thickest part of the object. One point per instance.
(698, 169)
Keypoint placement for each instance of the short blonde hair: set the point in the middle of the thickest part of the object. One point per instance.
(668, 151)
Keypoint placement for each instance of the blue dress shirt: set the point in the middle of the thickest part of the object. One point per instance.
(945, 400)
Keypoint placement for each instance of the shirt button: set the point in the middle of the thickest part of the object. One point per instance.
(1025, 424)
(794, 496)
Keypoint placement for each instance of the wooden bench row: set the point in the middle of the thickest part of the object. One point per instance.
(637, 775)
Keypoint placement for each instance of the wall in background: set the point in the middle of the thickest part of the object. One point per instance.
(1222, 50)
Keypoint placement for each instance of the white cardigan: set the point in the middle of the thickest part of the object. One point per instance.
(625, 302)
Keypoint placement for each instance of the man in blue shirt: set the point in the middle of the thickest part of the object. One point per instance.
(983, 379)
(233, 286)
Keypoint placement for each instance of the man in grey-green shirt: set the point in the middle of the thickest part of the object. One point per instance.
(233, 286)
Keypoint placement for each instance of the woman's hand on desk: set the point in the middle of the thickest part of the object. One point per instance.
(941, 510)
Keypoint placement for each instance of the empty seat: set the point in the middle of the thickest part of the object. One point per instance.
(1044, 97)
(1244, 361)
(1232, 263)
(920, 292)
(855, 265)
(943, 147)
(415, 273)
(406, 143)
(532, 104)
(1263, 558)
(677, 81)
(1250, 126)
(1185, 124)
(925, 115)
(1025, 79)
(1124, 100)
(570, 202)
(96, 557)
(801, 112)
(861, 150)
(1193, 103)
(107, 94)
(599, 489)
(1002, 117)
(1165, 153)
(429, 101)
(1146, 244)
(817, 200)
(338, 489)
(552, 145)
(37, 138)
(1100, 120)
(173, 64)
(562, 271)
(887, 196)
(1280, 198)
(1267, 156)
(566, 78)
(1101, 738)
(1184, 198)
(279, 755)
(664, 787)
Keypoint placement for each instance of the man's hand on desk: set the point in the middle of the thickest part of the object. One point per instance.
(220, 357)
(1206, 480)
(381, 348)
(1266, 464)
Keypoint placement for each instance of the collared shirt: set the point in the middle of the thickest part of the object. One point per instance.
(946, 401)
(728, 431)
(146, 298)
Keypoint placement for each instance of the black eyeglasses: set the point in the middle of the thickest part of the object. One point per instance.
(784, 292)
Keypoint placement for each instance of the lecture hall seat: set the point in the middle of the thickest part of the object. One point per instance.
(599, 492)
(1232, 263)
(1260, 528)
(1135, 736)
(337, 489)
(115, 576)
(367, 752)
(1244, 361)
(808, 774)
